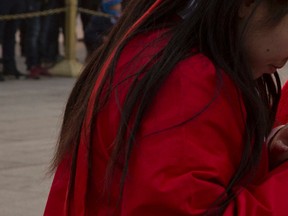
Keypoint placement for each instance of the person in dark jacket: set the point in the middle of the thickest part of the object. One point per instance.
(32, 40)
(99, 26)
(7, 36)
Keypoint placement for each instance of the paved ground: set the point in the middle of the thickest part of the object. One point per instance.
(30, 113)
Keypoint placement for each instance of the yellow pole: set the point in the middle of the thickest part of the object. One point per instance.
(69, 66)
(70, 23)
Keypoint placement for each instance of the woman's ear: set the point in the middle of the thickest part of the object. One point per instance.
(246, 8)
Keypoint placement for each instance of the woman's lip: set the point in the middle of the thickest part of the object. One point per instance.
(276, 66)
(271, 69)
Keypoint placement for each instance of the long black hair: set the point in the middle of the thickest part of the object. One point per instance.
(212, 27)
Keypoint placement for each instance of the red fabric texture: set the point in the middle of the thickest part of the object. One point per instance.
(282, 114)
(178, 167)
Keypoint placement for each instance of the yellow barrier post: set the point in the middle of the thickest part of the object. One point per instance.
(69, 66)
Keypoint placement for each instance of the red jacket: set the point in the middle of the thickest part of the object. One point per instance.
(178, 170)
(282, 114)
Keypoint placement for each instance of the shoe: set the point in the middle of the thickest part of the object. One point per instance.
(34, 73)
(48, 64)
(44, 72)
(17, 74)
(1, 78)
(10, 69)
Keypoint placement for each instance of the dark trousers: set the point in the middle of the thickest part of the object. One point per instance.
(32, 35)
(7, 32)
(41, 33)
(51, 26)
(87, 4)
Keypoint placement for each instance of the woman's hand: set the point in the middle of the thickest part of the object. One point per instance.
(278, 147)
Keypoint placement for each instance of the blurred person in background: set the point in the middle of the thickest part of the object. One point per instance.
(32, 40)
(99, 26)
(91, 5)
(52, 26)
(7, 36)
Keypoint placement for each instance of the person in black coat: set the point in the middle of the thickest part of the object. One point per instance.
(7, 36)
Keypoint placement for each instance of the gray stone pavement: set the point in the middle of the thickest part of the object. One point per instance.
(30, 117)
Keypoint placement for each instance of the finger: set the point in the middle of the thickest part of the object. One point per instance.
(279, 145)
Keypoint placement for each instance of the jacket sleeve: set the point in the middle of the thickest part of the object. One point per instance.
(180, 165)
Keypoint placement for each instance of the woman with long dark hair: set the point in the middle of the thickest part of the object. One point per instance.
(173, 113)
